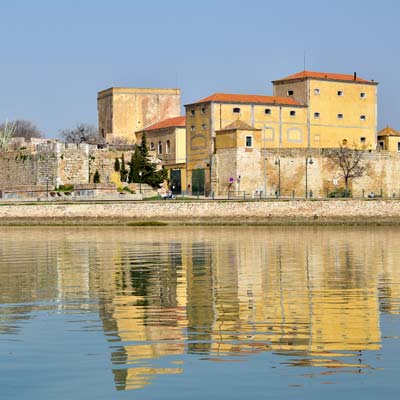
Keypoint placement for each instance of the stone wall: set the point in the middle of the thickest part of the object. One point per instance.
(383, 173)
(214, 211)
(58, 164)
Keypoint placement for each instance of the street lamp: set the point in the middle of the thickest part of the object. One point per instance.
(310, 161)
(140, 181)
(278, 163)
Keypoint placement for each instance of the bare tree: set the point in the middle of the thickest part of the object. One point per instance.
(350, 162)
(25, 129)
(6, 133)
(83, 133)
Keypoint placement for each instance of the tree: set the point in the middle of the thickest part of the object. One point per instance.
(350, 162)
(96, 177)
(117, 166)
(123, 172)
(140, 162)
(83, 133)
(25, 129)
(7, 131)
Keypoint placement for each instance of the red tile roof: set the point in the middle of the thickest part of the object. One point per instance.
(247, 98)
(324, 75)
(168, 123)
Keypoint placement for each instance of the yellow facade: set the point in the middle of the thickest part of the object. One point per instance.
(278, 128)
(124, 111)
(389, 139)
(339, 112)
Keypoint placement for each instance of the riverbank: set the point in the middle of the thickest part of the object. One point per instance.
(277, 212)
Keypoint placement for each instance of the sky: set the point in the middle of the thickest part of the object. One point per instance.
(57, 54)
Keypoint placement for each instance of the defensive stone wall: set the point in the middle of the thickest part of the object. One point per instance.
(288, 170)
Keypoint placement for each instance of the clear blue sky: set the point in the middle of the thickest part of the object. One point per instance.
(57, 54)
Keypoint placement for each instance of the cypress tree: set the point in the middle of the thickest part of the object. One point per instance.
(117, 166)
(96, 177)
(123, 172)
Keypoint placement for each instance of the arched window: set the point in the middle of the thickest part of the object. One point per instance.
(168, 147)
(159, 148)
(152, 146)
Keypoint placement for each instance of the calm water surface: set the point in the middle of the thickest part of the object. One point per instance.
(178, 313)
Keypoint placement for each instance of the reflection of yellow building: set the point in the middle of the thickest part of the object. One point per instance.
(311, 295)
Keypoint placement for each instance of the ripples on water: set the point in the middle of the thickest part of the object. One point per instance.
(94, 310)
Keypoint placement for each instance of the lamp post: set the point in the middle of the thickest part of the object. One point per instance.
(140, 181)
(278, 163)
(310, 161)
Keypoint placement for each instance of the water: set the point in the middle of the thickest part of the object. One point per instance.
(178, 313)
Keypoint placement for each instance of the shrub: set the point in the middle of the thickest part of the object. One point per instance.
(340, 193)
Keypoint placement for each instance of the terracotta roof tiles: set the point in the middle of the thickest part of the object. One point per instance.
(324, 75)
(168, 123)
(247, 98)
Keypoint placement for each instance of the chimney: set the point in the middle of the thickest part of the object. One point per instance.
(355, 76)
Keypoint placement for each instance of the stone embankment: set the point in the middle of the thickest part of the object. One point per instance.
(207, 212)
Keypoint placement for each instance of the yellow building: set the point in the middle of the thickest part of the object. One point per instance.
(167, 139)
(282, 121)
(308, 110)
(389, 139)
(124, 111)
(341, 109)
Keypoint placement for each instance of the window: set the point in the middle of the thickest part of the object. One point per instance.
(290, 92)
(192, 128)
(152, 146)
(381, 145)
(317, 137)
(340, 116)
(268, 111)
(340, 93)
(159, 148)
(316, 115)
(292, 113)
(203, 127)
(236, 110)
(168, 147)
(203, 111)
(316, 91)
(363, 117)
(363, 139)
(363, 95)
(192, 113)
(249, 141)
(398, 146)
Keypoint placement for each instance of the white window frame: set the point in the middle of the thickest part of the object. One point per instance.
(268, 111)
(317, 115)
(340, 116)
(159, 148)
(340, 93)
(363, 95)
(363, 117)
(292, 113)
(290, 92)
(236, 110)
(316, 91)
(168, 147)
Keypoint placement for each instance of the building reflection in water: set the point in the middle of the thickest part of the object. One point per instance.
(312, 296)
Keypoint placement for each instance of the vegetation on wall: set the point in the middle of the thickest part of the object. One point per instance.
(349, 161)
(7, 131)
(96, 177)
